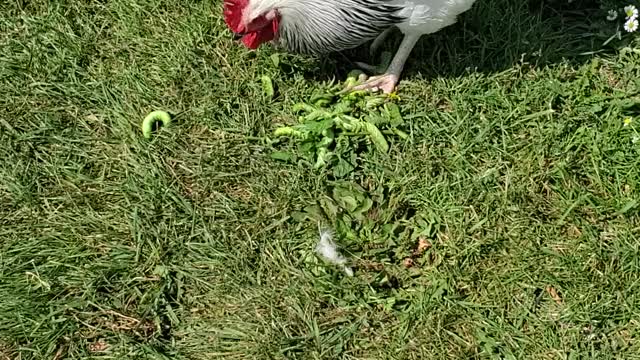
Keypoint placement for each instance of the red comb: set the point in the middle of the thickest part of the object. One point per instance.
(233, 14)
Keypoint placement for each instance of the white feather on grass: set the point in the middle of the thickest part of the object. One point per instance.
(328, 250)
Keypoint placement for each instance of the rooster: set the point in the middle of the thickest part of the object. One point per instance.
(323, 26)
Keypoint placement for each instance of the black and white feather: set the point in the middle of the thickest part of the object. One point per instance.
(318, 27)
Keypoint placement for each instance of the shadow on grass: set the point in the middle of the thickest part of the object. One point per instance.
(497, 34)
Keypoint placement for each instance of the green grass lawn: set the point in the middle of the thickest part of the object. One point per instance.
(519, 178)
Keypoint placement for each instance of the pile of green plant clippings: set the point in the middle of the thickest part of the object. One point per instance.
(336, 122)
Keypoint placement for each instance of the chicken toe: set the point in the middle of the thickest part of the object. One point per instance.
(386, 83)
(372, 69)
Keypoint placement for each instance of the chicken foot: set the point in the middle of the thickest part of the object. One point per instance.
(387, 82)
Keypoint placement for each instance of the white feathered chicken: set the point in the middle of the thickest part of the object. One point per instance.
(322, 26)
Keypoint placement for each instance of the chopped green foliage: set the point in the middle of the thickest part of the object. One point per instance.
(335, 121)
(267, 86)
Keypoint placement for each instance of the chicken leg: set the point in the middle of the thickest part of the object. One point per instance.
(373, 51)
(377, 43)
(387, 82)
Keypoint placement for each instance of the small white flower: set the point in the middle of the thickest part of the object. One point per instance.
(612, 15)
(631, 25)
(631, 12)
(635, 139)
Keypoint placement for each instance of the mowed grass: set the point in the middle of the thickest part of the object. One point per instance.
(519, 176)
